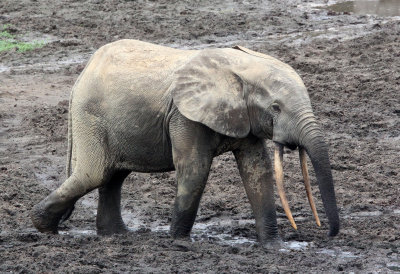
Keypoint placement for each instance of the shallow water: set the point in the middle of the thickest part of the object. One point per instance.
(47, 66)
(337, 252)
(206, 230)
(377, 7)
(199, 233)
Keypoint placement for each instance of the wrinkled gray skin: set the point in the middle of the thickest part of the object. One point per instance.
(147, 108)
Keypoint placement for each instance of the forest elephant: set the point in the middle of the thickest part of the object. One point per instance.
(146, 108)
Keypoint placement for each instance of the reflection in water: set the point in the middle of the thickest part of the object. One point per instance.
(378, 7)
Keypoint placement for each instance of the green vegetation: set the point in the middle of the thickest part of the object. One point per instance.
(19, 46)
(6, 34)
(9, 41)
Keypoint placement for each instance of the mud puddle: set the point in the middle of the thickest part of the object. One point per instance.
(51, 66)
(372, 7)
(218, 230)
(337, 252)
(204, 231)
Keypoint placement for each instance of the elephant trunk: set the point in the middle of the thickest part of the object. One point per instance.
(312, 140)
(308, 136)
(318, 152)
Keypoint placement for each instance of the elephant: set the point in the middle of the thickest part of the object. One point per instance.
(141, 107)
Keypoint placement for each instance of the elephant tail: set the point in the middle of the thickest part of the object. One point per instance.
(69, 150)
(69, 211)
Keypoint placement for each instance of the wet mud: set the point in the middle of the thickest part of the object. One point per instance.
(350, 64)
(378, 7)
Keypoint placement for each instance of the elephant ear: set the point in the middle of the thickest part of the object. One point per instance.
(206, 90)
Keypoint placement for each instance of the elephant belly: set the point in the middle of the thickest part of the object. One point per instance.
(141, 144)
(145, 158)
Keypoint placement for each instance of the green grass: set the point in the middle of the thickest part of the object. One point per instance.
(19, 46)
(6, 34)
(9, 41)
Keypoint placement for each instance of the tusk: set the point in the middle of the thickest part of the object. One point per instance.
(278, 157)
(304, 170)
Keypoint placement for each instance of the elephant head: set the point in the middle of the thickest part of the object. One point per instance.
(237, 92)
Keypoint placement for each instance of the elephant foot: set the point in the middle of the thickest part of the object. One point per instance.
(43, 221)
(67, 214)
(272, 244)
(182, 245)
(180, 237)
(47, 214)
(108, 230)
(179, 232)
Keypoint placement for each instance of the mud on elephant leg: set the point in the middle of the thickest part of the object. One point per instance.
(109, 220)
(193, 148)
(192, 177)
(257, 176)
(47, 214)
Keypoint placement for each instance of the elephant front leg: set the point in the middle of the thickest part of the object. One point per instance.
(192, 177)
(193, 147)
(257, 175)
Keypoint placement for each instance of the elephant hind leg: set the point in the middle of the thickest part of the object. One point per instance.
(93, 168)
(67, 214)
(109, 220)
(47, 214)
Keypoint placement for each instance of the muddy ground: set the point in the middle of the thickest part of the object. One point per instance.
(351, 66)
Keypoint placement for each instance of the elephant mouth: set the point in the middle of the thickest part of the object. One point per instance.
(278, 167)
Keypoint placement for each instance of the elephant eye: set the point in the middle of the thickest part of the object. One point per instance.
(276, 108)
